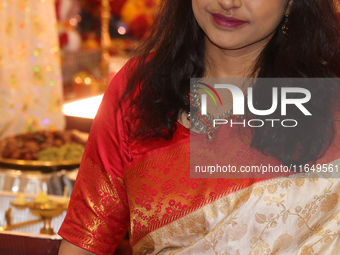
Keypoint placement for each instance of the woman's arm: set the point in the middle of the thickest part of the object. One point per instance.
(67, 248)
(98, 213)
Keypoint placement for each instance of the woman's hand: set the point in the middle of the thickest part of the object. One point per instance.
(67, 248)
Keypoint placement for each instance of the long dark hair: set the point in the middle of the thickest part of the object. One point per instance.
(159, 78)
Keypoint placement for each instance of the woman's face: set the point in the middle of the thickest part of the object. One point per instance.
(236, 24)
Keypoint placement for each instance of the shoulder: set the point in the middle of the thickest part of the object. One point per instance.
(119, 82)
(117, 85)
(127, 83)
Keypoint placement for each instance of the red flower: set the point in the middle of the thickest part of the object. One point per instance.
(172, 202)
(148, 207)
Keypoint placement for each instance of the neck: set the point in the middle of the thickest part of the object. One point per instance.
(236, 63)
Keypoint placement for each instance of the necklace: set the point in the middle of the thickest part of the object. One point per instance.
(204, 123)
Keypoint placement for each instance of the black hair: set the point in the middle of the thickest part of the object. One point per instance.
(174, 52)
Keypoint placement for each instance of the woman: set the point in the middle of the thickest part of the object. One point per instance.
(135, 171)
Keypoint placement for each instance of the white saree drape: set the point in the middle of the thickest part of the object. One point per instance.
(298, 215)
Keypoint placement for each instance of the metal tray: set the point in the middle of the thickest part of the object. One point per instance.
(44, 166)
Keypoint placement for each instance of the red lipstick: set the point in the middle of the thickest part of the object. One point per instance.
(225, 21)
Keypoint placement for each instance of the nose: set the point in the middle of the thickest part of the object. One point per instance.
(230, 4)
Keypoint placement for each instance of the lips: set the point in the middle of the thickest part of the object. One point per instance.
(228, 22)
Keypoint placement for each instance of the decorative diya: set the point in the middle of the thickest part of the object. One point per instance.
(42, 207)
(46, 211)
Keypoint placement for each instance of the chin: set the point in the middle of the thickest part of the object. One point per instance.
(228, 46)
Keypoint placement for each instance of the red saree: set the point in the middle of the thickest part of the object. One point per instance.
(146, 188)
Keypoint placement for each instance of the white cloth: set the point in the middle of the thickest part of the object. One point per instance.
(30, 74)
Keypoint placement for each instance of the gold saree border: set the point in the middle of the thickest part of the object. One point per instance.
(183, 149)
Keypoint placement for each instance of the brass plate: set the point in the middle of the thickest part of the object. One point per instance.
(46, 166)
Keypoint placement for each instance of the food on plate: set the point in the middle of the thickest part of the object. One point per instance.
(65, 152)
(43, 145)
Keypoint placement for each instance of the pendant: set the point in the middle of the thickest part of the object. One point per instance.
(209, 136)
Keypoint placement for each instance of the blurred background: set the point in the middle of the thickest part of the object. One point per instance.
(56, 61)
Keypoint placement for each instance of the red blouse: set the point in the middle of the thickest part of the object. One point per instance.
(98, 215)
